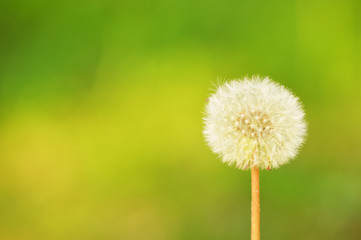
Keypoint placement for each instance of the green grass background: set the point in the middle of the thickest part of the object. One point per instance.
(101, 105)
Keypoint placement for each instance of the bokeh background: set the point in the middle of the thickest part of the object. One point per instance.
(101, 106)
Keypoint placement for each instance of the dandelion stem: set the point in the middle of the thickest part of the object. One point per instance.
(255, 207)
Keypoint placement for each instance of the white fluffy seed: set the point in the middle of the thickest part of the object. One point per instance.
(279, 118)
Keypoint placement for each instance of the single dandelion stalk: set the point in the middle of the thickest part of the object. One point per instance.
(255, 204)
(254, 124)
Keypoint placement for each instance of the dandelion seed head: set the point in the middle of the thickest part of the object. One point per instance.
(254, 122)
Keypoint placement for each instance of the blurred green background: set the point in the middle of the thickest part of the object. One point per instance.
(101, 106)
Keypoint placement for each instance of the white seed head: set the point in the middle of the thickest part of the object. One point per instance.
(254, 122)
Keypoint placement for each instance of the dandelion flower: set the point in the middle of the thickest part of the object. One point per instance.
(254, 122)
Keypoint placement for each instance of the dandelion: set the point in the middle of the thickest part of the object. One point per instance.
(251, 124)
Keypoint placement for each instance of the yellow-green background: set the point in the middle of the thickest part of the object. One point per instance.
(101, 105)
